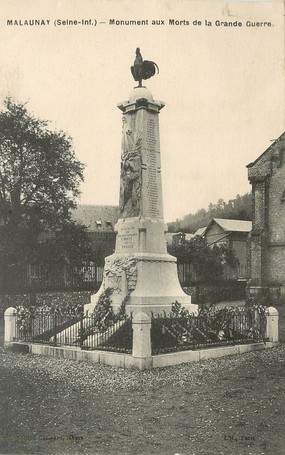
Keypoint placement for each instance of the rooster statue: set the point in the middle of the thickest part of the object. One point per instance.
(143, 69)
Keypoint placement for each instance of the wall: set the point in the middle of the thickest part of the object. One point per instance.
(214, 233)
(235, 240)
(276, 227)
(239, 245)
(276, 206)
(267, 176)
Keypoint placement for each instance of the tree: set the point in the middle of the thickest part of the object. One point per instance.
(239, 208)
(68, 244)
(207, 263)
(39, 180)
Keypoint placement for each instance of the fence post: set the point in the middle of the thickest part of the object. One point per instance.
(141, 340)
(55, 328)
(272, 324)
(81, 329)
(10, 325)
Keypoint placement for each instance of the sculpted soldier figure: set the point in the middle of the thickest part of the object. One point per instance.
(130, 191)
(143, 69)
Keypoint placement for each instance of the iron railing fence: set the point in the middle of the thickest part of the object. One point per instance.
(210, 328)
(74, 329)
(26, 277)
(169, 333)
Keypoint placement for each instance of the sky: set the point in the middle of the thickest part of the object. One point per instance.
(223, 86)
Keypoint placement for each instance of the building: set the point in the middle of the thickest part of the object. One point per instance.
(100, 221)
(267, 244)
(234, 234)
(200, 231)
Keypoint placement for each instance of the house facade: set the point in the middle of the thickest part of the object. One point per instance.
(267, 243)
(234, 234)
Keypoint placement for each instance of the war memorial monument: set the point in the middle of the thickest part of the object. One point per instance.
(141, 272)
(140, 278)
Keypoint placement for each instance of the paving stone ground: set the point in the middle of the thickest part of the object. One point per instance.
(233, 405)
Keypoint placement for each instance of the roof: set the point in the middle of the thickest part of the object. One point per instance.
(268, 150)
(96, 217)
(233, 225)
(200, 231)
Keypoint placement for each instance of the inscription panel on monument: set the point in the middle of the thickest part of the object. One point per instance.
(127, 239)
(153, 183)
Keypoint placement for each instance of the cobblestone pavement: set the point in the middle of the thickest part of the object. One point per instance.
(232, 405)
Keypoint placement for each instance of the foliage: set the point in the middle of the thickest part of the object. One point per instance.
(210, 327)
(104, 315)
(39, 180)
(267, 296)
(69, 243)
(235, 322)
(207, 263)
(179, 311)
(239, 208)
(53, 308)
(103, 312)
(23, 317)
(26, 313)
(220, 291)
(122, 310)
(104, 246)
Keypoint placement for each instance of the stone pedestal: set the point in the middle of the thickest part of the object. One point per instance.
(10, 325)
(272, 325)
(141, 272)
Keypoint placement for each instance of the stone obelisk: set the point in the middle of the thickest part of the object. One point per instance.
(141, 273)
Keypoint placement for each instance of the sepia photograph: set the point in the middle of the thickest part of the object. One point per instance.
(142, 227)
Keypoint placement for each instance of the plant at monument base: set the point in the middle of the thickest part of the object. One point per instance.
(24, 316)
(177, 310)
(103, 312)
(228, 324)
(103, 316)
(122, 310)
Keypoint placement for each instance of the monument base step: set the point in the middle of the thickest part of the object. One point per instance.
(148, 282)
